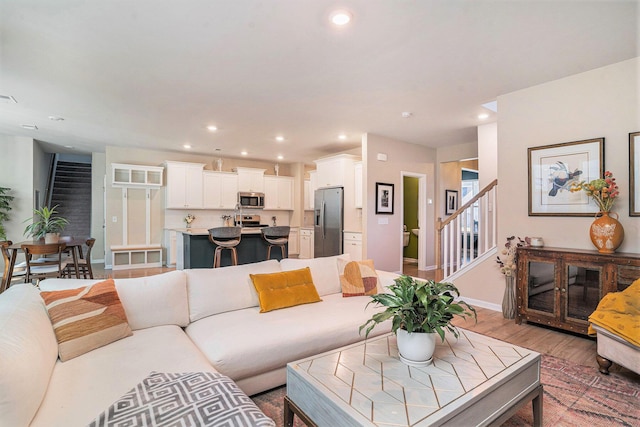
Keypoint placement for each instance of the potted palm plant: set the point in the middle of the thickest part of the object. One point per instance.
(5, 207)
(419, 310)
(45, 224)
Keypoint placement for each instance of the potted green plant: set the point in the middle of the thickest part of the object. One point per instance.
(5, 207)
(418, 310)
(45, 224)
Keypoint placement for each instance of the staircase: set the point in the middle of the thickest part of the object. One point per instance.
(70, 189)
(468, 235)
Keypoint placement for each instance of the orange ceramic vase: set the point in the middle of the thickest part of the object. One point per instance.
(606, 232)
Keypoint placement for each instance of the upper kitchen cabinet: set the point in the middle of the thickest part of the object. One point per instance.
(220, 190)
(123, 175)
(184, 185)
(250, 179)
(313, 186)
(335, 171)
(278, 193)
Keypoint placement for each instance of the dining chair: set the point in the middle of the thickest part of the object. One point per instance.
(276, 236)
(49, 264)
(84, 261)
(225, 238)
(19, 270)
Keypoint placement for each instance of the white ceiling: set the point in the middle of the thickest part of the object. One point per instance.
(152, 74)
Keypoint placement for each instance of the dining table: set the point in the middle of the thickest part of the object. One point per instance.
(75, 245)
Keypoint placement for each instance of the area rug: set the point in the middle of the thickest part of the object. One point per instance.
(574, 395)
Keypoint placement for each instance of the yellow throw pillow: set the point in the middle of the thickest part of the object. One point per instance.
(285, 289)
(86, 318)
(358, 278)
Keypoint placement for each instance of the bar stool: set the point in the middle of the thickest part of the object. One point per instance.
(225, 238)
(276, 236)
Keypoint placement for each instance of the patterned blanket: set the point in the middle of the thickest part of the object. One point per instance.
(619, 312)
(195, 399)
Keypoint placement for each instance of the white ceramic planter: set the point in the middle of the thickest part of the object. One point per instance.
(416, 348)
(51, 237)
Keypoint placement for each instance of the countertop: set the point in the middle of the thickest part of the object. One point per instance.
(205, 231)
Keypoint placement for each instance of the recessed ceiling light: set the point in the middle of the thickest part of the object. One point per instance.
(340, 17)
(279, 138)
(406, 114)
(280, 157)
(342, 136)
(244, 152)
(187, 146)
(68, 146)
(212, 128)
(56, 118)
(29, 127)
(483, 116)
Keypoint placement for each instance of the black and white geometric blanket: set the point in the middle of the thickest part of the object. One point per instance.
(194, 399)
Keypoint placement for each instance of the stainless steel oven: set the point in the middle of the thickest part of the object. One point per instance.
(251, 200)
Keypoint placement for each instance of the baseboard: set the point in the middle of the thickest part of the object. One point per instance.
(410, 260)
(483, 304)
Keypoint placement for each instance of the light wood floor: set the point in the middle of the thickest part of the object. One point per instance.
(556, 343)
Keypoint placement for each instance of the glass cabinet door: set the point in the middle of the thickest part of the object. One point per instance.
(541, 287)
(582, 290)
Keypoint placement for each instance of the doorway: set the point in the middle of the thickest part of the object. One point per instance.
(414, 214)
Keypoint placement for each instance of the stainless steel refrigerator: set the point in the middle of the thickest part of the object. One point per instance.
(328, 221)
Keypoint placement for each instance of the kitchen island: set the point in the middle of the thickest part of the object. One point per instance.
(194, 250)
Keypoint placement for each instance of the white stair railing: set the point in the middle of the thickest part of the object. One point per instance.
(461, 239)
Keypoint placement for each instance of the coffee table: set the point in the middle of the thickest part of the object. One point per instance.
(474, 380)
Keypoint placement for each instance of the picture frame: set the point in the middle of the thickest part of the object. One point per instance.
(634, 174)
(450, 201)
(384, 198)
(552, 171)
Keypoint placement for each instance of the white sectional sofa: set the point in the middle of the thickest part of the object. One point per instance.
(204, 320)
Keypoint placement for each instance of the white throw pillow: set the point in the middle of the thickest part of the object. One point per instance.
(324, 271)
(28, 353)
(217, 290)
(155, 300)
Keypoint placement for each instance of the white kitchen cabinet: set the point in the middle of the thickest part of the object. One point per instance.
(306, 243)
(357, 177)
(313, 186)
(294, 241)
(278, 193)
(124, 175)
(184, 185)
(335, 171)
(308, 195)
(250, 179)
(220, 190)
(353, 245)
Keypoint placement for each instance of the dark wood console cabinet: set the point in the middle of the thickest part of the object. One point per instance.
(562, 287)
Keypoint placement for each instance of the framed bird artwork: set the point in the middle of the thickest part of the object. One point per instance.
(553, 169)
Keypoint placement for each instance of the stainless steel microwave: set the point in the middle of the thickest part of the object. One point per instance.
(251, 200)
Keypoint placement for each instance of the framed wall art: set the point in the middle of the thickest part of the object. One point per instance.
(384, 198)
(552, 171)
(451, 201)
(634, 174)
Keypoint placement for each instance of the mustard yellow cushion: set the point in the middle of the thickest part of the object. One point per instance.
(86, 318)
(285, 289)
(358, 278)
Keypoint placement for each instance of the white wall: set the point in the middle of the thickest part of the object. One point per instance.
(599, 103)
(383, 242)
(487, 153)
(16, 172)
